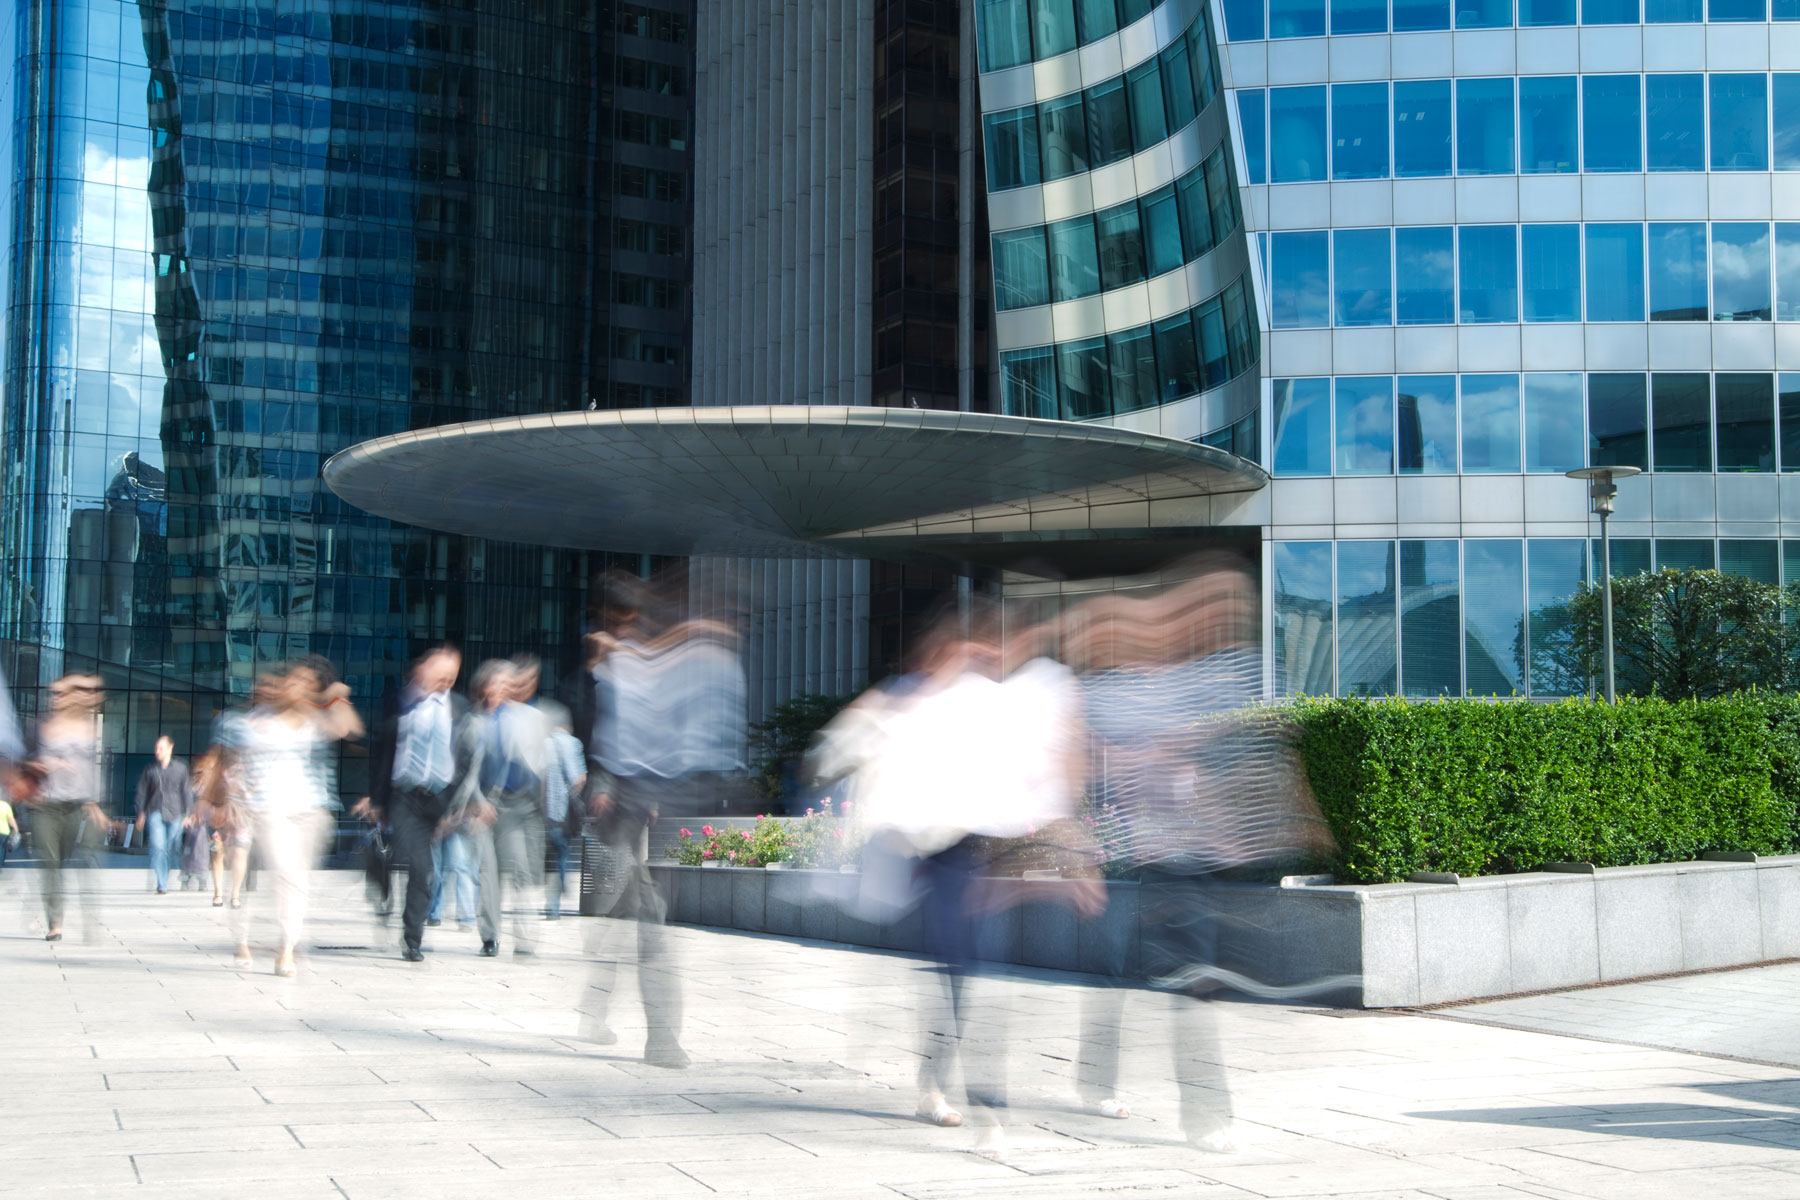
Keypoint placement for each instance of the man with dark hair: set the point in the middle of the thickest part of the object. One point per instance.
(165, 806)
(414, 766)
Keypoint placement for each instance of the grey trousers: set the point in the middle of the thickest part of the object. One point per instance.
(58, 832)
(509, 855)
(625, 832)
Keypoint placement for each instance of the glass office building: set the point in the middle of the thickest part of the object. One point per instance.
(243, 237)
(1490, 241)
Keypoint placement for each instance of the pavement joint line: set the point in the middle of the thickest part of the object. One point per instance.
(1519, 1027)
(1428, 1009)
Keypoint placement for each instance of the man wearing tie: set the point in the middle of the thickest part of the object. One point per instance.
(412, 775)
(504, 793)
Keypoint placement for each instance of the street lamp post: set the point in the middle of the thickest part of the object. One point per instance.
(1602, 490)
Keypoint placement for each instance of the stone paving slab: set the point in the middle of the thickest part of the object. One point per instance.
(141, 1063)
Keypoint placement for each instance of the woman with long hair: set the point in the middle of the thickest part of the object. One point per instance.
(65, 774)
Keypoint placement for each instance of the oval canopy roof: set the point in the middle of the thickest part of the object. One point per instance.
(783, 480)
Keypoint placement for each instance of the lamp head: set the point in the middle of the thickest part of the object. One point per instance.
(1603, 489)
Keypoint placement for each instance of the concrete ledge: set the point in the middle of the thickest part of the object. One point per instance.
(1407, 943)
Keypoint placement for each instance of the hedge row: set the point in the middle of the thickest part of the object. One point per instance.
(1486, 788)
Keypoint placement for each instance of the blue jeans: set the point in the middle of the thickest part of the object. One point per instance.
(165, 846)
(559, 869)
(455, 863)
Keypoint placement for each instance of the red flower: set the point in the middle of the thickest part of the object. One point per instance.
(707, 830)
(706, 854)
(744, 833)
(687, 833)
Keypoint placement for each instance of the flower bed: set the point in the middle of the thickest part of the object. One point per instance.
(825, 838)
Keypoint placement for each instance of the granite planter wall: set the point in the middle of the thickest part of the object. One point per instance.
(1407, 943)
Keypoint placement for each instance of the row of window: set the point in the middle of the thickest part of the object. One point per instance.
(1011, 32)
(1153, 364)
(649, 237)
(1500, 274)
(1479, 617)
(646, 76)
(648, 291)
(646, 183)
(1083, 131)
(1247, 20)
(1535, 423)
(1546, 125)
(650, 23)
(1126, 244)
(647, 130)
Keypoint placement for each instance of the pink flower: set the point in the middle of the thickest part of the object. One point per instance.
(744, 833)
(687, 833)
(706, 854)
(732, 854)
(827, 802)
(837, 833)
(809, 812)
(844, 807)
(707, 830)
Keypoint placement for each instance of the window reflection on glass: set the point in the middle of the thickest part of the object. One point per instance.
(1736, 10)
(1244, 20)
(1053, 27)
(1302, 431)
(1787, 272)
(1740, 271)
(1490, 424)
(1178, 84)
(1363, 420)
(1547, 137)
(1552, 272)
(1254, 123)
(1062, 128)
(1678, 271)
(1012, 149)
(1488, 290)
(1358, 16)
(1675, 122)
(1426, 436)
(1787, 403)
(1421, 15)
(1672, 11)
(1074, 259)
(1109, 123)
(1149, 123)
(1483, 14)
(1299, 280)
(1785, 95)
(1302, 605)
(1121, 243)
(1162, 231)
(1367, 654)
(1546, 12)
(1618, 433)
(1296, 18)
(1554, 427)
(1362, 277)
(1615, 272)
(1297, 134)
(1484, 126)
(1609, 12)
(1744, 413)
(1359, 131)
(1612, 123)
(1425, 264)
(1494, 615)
(1213, 342)
(1096, 18)
(1082, 373)
(1177, 362)
(1556, 569)
(1753, 559)
(1132, 356)
(1430, 618)
(1681, 422)
(1028, 382)
(1021, 269)
(1684, 554)
(1740, 122)
(1005, 34)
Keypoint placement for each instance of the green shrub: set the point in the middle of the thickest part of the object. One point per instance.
(1483, 788)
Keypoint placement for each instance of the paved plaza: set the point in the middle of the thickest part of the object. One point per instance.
(140, 1063)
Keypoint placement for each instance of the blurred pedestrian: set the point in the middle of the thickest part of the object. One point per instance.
(165, 809)
(283, 747)
(505, 821)
(416, 761)
(225, 824)
(65, 771)
(9, 829)
(565, 779)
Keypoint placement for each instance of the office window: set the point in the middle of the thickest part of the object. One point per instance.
(1547, 138)
(1675, 111)
(1611, 123)
(1678, 271)
(1240, 328)
(1680, 422)
(1359, 131)
(1299, 295)
(1786, 97)
(1424, 268)
(1421, 14)
(1483, 14)
(1430, 618)
(1359, 16)
(1736, 10)
(1162, 231)
(1744, 412)
(1200, 59)
(1254, 123)
(1787, 409)
(1134, 380)
(1366, 608)
(1302, 440)
(1557, 569)
(1615, 272)
(1096, 19)
(1178, 85)
(1490, 424)
(1082, 372)
(1740, 122)
(1177, 363)
(1609, 12)
(1489, 287)
(1756, 559)
(1740, 268)
(1426, 441)
(1553, 422)
(1062, 134)
(1074, 259)
(1221, 196)
(1617, 430)
(1552, 271)
(1296, 18)
(1303, 641)
(1021, 269)
(1787, 272)
(1297, 134)
(1213, 343)
(1363, 277)
(1121, 246)
(1363, 411)
(1196, 221)
(1422, 128)
(1494, 615)
(1149, 124)
(1666, 12)
(1784, 10)
(1630, 556)
(1012, 148)
(1028, 382)
(1684, 554)
(1546, 12)
(1484, 127)
(1053, 27)
(1108, 122)
(1005, 34)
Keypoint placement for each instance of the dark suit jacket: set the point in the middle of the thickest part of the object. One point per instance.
(387, 741)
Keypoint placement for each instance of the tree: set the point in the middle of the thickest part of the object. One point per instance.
(1676, 634)
(778, 744)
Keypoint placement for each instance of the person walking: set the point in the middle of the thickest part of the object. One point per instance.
(65, 769)
(504, 803)
(165, 808)
(417, 759)
(9, 829)
(565, 776)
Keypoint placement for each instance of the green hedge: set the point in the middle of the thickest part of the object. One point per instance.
(1484, 788)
